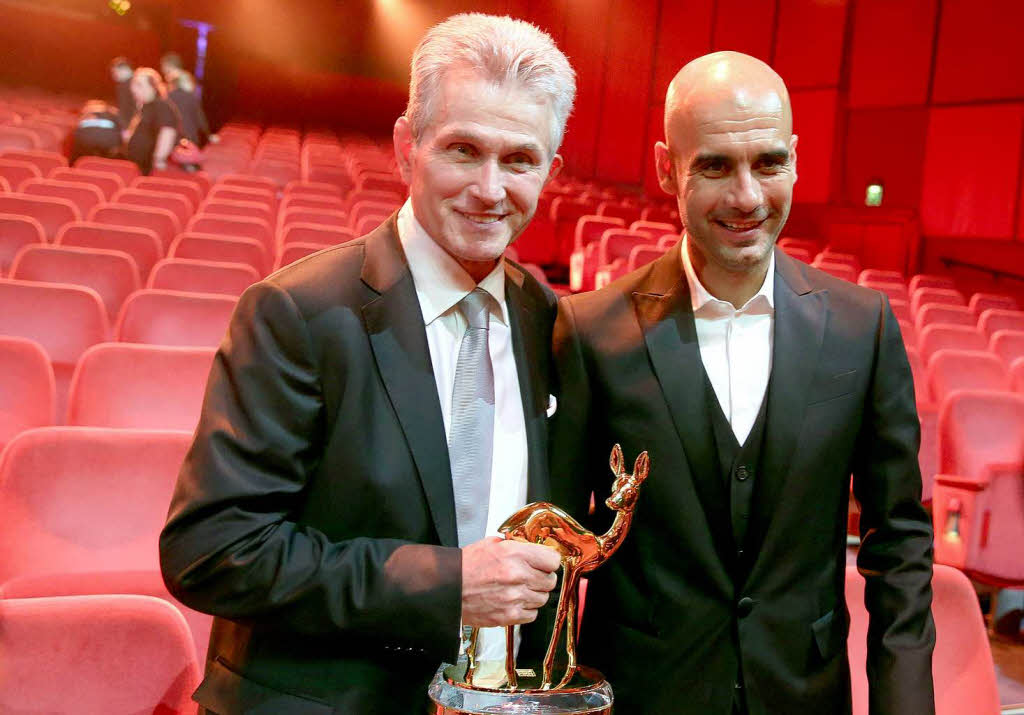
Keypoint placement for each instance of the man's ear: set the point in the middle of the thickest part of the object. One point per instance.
(792, 154)
(403, 140)
(663, 165)
(556, 166)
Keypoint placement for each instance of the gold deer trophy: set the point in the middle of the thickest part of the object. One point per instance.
(582, 551)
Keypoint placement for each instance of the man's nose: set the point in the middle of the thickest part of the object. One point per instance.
(745, 191)
(489, 183)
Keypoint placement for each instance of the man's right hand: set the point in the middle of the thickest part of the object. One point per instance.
(504, 582)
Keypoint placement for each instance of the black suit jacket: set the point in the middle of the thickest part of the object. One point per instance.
(314, 513)
(665, 619)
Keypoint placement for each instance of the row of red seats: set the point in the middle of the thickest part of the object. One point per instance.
(35, 122)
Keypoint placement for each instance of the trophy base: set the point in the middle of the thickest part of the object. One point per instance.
(588, 693)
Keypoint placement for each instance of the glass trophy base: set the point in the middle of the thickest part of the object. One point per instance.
(588, 693)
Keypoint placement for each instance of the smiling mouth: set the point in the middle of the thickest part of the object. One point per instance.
(740, 226)
(481, 218)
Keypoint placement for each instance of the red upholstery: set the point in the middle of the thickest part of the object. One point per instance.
(17, 231)
(980, 302)
(45, 161)
(28, 398)
(315, 233)
(654, 229)
(163, 317)
(222, 192)
(311, 188)
(642, 255)
(994, 320)
(927, 295)
(978, 504)
(962, 667)
(324, 217)
(877, 275)
(928, 415)
(18, 172)
(252, 182)
(950, 370)
(199, 179)
(139, 243)
(51, 213)
(199, 276)
(1017, 375)
(536, 244)
(162, 222)
(843, 271)
(627, 212)
(833, 258)
(18, 138)
(583, 260)
(957, 337)
(234, 227)
(312, 201)
(230, 249)
(939, 314)
(798, 253)
(662, 215)
(924, 280)
(108, 184)
(186, 189)
(83, 499)
(808, 244)
(360, 209)
(294, 251)
(895, 291)
(96, 654)
(1007, 344)
(900, 309)
(125, 169)
(909, 333)
(245, 209)
(386, 201)
(139, 387)
(617, 244)
(381, 182)
(64, 319)
(565, 213)
(84, 196)
(177, 204)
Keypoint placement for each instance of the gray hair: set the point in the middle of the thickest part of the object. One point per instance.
(502, 50)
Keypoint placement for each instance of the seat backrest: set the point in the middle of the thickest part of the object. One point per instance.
(617, 243)
(125, 169)
(315, 233)
(996, 319)
(590, 228)
(978, 428)
(567, 210)
(662, 214)
(900, 309)
(922, 392)
(234, 227)
(162, 222)
(186, 189)
(925, 280)
(962, 668)
(1008, 345)
(941, 314)
(950, 370)
(51, 213)
(642, 255)
(928, 295)
(84, 196)
(895, 291)
(312, 201)
(245, 209)
(177, 204)
(18, 138)
(209, 247)
(629, 213)
(141, 244)
(799, 254)
(108, 183)
(85, 499)
(878, 275)
(311, 188)
(140, 655)
(909, 333)
(18, 172)
(27, 389)
(846, 259)
(17, 231)
(139, 387)
(112, 274)
(842, 271)
(230, 192)
(980, 302)
(292, 252)
(201, 276)
(1017, 375)
(323, 217)
(368, 207)
(248, 181)
(45, 161)
(368, 222)
(199, 179)
(654, 229)
(957, 337)
(164, 317)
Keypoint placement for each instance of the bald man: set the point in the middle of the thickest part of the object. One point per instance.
(759, 385)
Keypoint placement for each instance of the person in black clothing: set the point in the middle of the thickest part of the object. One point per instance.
(98, 132)
(154, 130)
(121, 73)
(182, 95)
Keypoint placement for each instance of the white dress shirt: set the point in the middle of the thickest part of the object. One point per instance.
(440, 284)
(735, 345)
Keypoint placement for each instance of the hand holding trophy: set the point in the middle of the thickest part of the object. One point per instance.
(580, 689)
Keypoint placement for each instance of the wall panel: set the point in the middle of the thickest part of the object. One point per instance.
(891, 52)
(745, 26)
(809, 42)
(885, 145)
(684, 33)
(978, 54)
(814, 121)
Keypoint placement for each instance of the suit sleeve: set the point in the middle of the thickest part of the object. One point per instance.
(233, 546)
(895, 556)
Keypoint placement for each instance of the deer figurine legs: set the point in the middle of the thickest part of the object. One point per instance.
(471, 655)
(570, 629)
(566, 603)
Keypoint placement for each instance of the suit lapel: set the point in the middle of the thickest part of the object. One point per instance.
(531, 348)
(666, 316)
(394, 324)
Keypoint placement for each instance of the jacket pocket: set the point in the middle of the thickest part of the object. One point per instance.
(829, 634)
(227, 692)
(835, 387)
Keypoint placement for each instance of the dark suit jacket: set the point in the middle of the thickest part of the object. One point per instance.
(314, 513)
(665, 619)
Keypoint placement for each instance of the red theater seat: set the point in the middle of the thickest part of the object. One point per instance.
(199, 179)
(18, 172)
(923, 280)
(377, 201)
(980, 302)
(1017, 374)
(139, 243)
(251, 182)
(96, 654)
(45, 161)
(15, 232)
(565, 213)
(83, 196)
(230, 249)
(139, 387)
(329, 174)
(1008, 345)
(627, 212)
(895, 291)
(125, 169)
(662, 214)
(934, 296)
(994, 320)
(834, 258)
(962, 667)
(312, 201)
(177, 204)
(807, 244)
(161, 222)
(234, 227)
(654, 229)
(950, 370)
(27, 389)
(381, 181)
(64, 319)
(877, 275)
(956, 337)
(909, 333)
(164, 317)
(311, 188)
(797, 253)
(200, 276)
(18, 138)
(315, 234)
(186, 189)
(243, 209)
(294, 251)
(51, 213)
(221, 192)
(842, 271)
(901, 309)
(112, 274)
(938, 314)
(642, 255)
(323, 217)
(108, 184)
(978, 505)
(586, 239)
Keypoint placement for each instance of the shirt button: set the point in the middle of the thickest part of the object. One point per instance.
(742, 472)
(745, 606)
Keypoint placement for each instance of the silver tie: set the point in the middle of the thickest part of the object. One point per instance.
(470, 440)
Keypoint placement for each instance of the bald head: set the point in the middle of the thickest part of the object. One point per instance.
(724, 82)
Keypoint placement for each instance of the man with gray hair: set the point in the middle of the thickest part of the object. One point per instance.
(377, 409)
